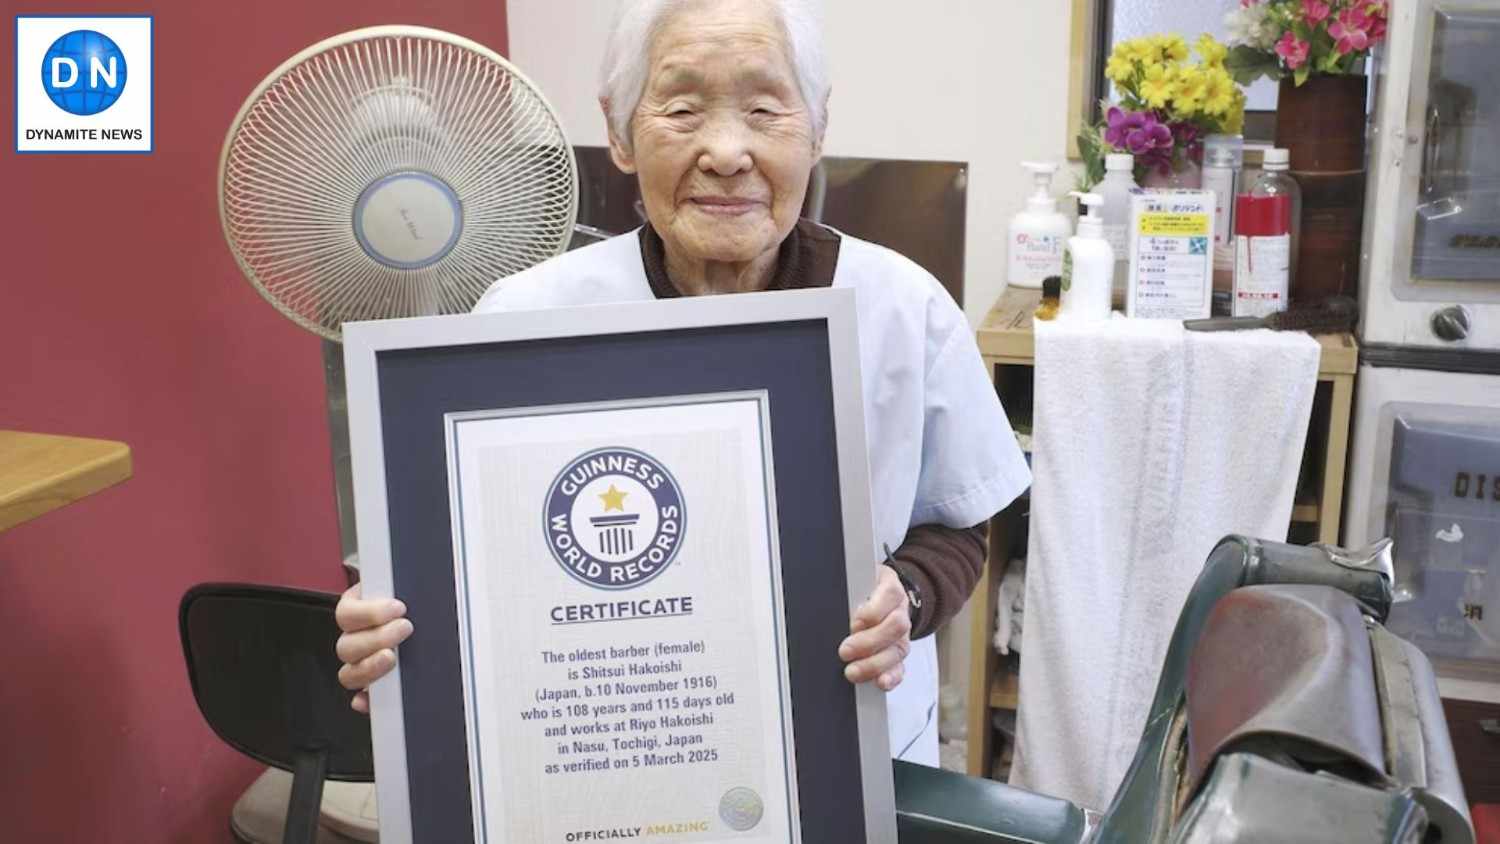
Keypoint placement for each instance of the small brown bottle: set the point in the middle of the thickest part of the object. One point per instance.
(1051, 298)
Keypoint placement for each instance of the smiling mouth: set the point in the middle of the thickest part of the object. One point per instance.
(725, 206)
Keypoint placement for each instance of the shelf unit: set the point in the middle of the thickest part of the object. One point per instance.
(1008, 347)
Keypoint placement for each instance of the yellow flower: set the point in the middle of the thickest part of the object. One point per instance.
(1139, 50)
(1234, 123)
(1119, 69)
(1158, 85)
(1211, 51)
(1190, 89)
(1171, 47)
(1219, 92)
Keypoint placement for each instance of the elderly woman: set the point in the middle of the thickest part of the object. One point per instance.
(719, 108)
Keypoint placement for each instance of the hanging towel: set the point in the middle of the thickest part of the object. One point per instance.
(1150, 444)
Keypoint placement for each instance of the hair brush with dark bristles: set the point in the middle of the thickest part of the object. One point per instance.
(1333, 316)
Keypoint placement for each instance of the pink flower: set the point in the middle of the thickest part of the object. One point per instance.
(1349, 31)
(1292, 50)
(1377, 14)
(1316, 11)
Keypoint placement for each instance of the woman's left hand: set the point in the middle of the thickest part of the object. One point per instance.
(879, 635)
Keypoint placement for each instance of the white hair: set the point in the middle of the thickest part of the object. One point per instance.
(627, 56)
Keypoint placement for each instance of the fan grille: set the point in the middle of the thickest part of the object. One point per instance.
(364, 107)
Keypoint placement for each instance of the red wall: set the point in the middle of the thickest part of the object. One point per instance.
(123, 316)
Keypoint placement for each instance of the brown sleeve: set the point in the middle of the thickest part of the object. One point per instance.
(943, 564)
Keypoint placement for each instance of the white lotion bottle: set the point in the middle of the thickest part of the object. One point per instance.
(1038, 234)
(1119, 181)
(1089, 266)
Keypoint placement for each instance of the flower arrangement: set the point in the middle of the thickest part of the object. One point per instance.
(1296, 39)
(1168, 104)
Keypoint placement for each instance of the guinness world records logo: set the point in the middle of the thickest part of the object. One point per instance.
(614, 518)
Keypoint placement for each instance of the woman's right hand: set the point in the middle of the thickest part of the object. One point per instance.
(372, 630)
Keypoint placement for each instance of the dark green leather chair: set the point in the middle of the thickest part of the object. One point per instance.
(1285, 712)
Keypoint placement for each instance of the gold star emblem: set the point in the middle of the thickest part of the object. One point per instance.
(614, 499)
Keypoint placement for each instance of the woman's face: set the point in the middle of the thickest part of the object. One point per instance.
(722, 141)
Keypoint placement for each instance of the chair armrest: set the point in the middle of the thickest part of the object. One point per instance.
(940, 807)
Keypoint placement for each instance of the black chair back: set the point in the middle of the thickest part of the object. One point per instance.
(265, 675)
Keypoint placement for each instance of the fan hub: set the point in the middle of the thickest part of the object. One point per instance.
(408, 220)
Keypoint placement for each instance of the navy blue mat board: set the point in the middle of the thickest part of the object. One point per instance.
(791, 361)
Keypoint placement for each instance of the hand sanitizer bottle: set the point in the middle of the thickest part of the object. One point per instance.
(1038, 233)
(1089, 266)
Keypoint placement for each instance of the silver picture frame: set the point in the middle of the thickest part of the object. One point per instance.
(366, 342)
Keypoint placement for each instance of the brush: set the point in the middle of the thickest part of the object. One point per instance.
(1334, 316)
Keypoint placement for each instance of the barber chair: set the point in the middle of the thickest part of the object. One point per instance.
(1284, 713)
(264, 673)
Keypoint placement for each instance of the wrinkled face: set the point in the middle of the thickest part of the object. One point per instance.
(722, 140)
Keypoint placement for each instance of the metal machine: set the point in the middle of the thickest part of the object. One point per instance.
(1285, 712)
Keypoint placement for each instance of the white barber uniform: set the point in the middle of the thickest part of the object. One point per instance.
(940, 447)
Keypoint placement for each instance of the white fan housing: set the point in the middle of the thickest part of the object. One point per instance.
(393, 171)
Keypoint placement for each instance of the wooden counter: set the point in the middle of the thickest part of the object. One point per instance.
(41, 472)
(1005, 336)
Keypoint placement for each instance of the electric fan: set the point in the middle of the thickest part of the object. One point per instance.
(393, 171)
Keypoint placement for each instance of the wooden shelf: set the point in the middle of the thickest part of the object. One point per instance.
(1305, 512)
(1005, 689)
(1006, 335)
(1005, 338)
(1008, 345)
(41, 472)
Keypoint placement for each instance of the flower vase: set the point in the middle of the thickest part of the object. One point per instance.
(1322, 124)
(1185, 175)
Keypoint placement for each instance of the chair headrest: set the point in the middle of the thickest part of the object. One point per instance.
(1286, 669)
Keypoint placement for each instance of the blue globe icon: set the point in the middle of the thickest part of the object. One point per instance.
(83, 72)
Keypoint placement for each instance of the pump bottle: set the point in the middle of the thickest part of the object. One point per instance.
(1037, 234)
(1089, 267)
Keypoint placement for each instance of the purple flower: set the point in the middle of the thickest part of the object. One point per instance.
(1188, 138)
(1122, 123)
(1142, 134)
(1144, 140)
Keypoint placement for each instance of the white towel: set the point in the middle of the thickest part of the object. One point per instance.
(1151, 443)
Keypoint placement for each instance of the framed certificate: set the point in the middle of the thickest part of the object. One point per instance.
(629, 538)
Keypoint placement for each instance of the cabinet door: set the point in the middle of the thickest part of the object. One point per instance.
(1455, 111)
(1443, 511)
